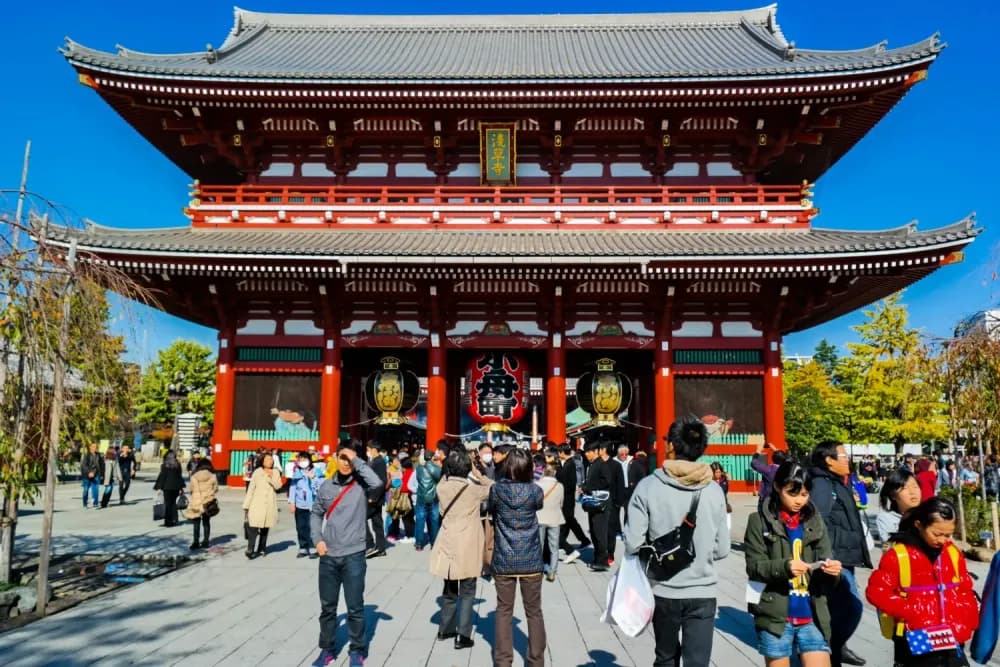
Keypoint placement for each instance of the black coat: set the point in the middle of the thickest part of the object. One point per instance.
(619, 485)
(91, 463)
(638, 468)
(169, 479)
(600, 477)
(566, 475)
(835, 503)
(376, 496)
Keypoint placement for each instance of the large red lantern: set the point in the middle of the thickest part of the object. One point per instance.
(496, 389)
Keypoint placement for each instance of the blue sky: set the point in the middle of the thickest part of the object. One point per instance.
(932, 159)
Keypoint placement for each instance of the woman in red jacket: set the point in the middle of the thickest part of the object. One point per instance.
(939, 592)
(926, 474)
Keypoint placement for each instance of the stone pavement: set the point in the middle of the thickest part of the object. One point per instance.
(230, 611)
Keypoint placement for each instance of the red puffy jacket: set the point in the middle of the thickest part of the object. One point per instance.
(920, 608)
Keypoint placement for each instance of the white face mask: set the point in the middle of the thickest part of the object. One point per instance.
(303, 464)
(487, 458)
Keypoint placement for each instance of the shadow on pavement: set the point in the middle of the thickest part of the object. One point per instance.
(57, 640)
(601, 659)
(737, 623)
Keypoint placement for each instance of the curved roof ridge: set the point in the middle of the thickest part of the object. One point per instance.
(931, 43)
(964, 225)
(243, 18)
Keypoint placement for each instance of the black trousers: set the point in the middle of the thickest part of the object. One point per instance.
(203, 521)
(571, 525)
(457, 600)
(599, 534)
(683, 631)
(170, 507)
(302, 529)
(409, 525)
(123, 488)
(614, 527)
(258, 538)
(375, 535)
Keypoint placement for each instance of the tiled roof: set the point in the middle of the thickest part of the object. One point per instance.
(508, 48)
(445, 245)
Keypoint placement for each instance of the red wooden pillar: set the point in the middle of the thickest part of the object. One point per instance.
(225, 390)
(663, 392)
(555, 392)
(774, 395)
(329, 396)
(555, 382)
(437, 392)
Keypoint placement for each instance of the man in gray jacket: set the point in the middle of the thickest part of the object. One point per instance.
(337, 524)
(685, 604)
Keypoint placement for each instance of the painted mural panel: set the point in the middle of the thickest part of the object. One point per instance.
(276, 407)
(731, 407)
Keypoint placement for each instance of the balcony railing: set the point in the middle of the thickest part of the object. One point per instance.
(350, 206)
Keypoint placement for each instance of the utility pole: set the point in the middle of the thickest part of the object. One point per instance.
(55, 426)
(8, 515)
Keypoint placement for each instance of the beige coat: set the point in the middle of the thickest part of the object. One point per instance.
(551, 512)
(203, 487)
(261, 501)
(458, 549)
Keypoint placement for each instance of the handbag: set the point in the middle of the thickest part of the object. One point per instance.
(662, 558)
(595, 502)
(182, 501)
(159, 507)
(211, 508)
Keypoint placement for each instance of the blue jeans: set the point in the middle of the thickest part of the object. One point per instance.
(90, 485)
(349, 572)
(795, 640)
(425, 511)
(846, 609)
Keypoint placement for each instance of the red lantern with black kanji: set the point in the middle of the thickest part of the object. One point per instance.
(496, 389)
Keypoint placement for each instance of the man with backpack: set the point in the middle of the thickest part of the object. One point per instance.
(679, 494)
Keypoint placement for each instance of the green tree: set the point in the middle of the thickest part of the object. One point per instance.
(827, 357)
(893, 379)
(184, 362)
(814, 407)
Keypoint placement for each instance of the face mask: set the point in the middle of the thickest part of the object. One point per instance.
(303, 464)
(487, 458)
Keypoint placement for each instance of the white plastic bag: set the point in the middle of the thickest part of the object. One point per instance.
(630, 600)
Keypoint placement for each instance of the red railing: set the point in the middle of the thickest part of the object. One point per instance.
(340, 205)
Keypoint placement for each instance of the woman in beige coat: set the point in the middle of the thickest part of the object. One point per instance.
(260, 506)
(204, 487)
(457, 555)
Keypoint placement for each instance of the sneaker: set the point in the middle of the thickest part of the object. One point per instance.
(572, 556)
(611, 562)
(302, 553)
(418, 548)
(326, 657)
(357, 660)
(313, 553)
(551, 576)
(391, 538)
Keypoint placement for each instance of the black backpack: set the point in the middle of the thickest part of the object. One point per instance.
(662, 558)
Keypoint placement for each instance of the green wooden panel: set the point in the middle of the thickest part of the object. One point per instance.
(719, 357)
(737, 466)
(238, 457)
(292, 354)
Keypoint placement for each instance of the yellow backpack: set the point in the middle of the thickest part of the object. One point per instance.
(890, 626)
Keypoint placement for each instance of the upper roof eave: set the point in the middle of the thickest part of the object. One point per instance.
(258, 47)
(457, 246)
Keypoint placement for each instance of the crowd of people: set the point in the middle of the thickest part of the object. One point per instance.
(506, 514)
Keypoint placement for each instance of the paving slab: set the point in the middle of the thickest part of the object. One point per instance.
(226, 610)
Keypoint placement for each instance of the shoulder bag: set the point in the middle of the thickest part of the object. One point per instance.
(453, 501)
(672, 552)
